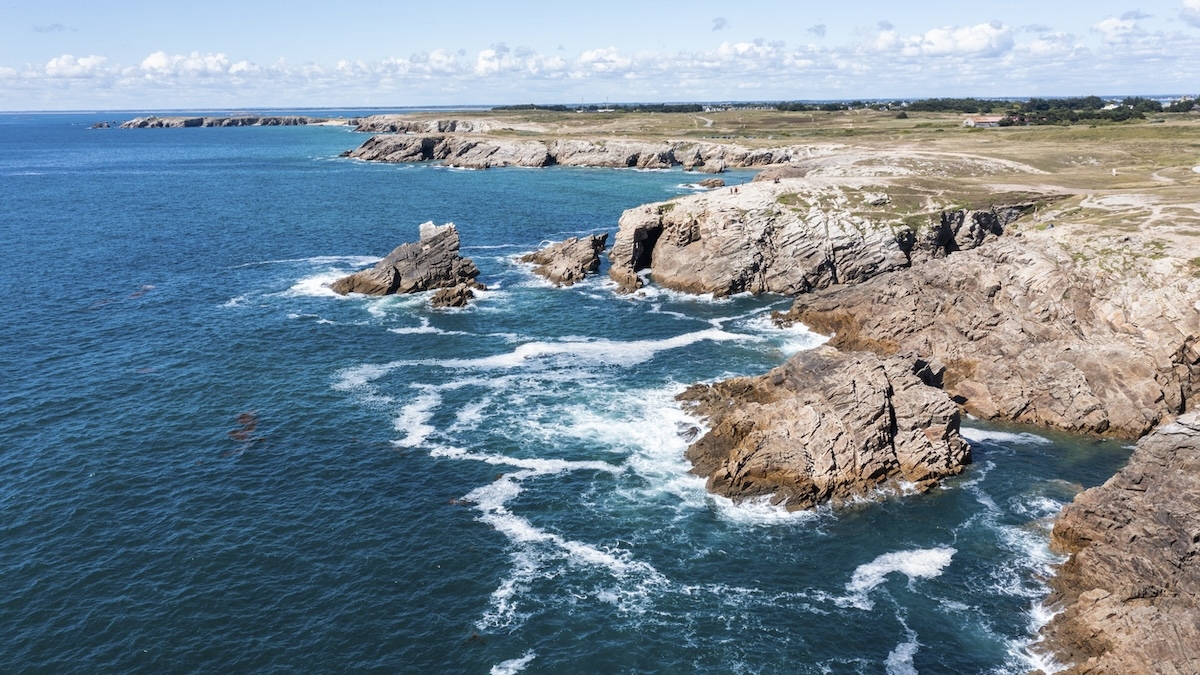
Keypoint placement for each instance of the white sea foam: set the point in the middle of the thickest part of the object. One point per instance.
(513, 666)
(923, 563)
(900, 660)
(413, 419)
(316, 286)
(235, 301)
(789, 340)
(424, 329)
(595, 351)
(976, 435)
(532, 466)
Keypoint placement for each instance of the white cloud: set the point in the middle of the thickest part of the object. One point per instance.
(985, 39)
(69, 66)
(159, 64)
(1191, 12)
(1116, 30)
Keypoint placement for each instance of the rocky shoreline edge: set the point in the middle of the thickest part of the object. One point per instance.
(1002, 302)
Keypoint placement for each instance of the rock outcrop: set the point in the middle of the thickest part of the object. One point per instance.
(419, 142)
(153, 122)
(433, 262)
(827, 425)
(1130, 592)
(764, 239)
(1030, 335)
(566, 262)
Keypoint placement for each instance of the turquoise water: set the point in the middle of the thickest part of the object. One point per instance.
(211, 463)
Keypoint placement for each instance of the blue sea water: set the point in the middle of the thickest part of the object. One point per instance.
(211, 463)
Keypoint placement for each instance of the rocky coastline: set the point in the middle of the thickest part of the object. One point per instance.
(1037, 319)
(478, 151)
(154, 122)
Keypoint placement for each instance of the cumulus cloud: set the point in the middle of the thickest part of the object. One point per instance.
(52, 28)
(1135, 15)
(885, 25)
(1191, 12)
(720, 22)
(818, 30)
(1115, 30)
(984, 59)
(71, 67)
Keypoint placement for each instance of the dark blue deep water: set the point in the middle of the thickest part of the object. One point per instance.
(210, 463)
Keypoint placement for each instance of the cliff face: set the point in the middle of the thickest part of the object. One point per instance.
(1029, 335)
(1130, 592)
(768, 238)
(426, 141)
(153, 122)
(827, 425)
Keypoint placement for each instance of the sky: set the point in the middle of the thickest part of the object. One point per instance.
(222, 54)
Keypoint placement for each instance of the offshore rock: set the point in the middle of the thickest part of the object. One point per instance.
(568, 261)
(153, 122)
(827, 425)
(1130, 592)
(1031, 333)
(432, 262)
(457, 296)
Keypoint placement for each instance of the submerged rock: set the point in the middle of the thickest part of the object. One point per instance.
(432, 262)
(827, 425)
(568, 261)
(1130, 592)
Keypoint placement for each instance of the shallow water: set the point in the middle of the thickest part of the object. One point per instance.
(499, 489)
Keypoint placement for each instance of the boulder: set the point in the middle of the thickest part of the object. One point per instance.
(456, 296)
(712, 183)
(432, 262)
(827, 425)
(1129, 594)
(568, 261)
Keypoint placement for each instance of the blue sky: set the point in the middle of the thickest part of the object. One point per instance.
(63, 55)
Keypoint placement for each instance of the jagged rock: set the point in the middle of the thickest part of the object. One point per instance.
(1130, 592)
(748, 240)
(568, 261)
(826, 425)
(456, 296)
(1029, 335)
(712, 183)
(432, 262)
(460, 151)
(460, 143)
(153, 122)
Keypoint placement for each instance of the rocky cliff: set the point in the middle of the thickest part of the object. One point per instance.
(827, 425)
(479, 151)
(788, 239)
(432, 262)
(1029, 334)
(1129, 594)
(153, 122)
(566, 262)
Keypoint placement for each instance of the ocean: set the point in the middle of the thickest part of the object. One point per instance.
(211, 463)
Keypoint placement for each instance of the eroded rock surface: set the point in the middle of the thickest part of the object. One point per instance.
(154, 122)
(433, 262)
(423, 141)
(566, 262)
(1130, 592)
(768, 238)
(826, 425)
(1028, 335)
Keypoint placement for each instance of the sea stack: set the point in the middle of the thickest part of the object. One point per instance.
(432, 262)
